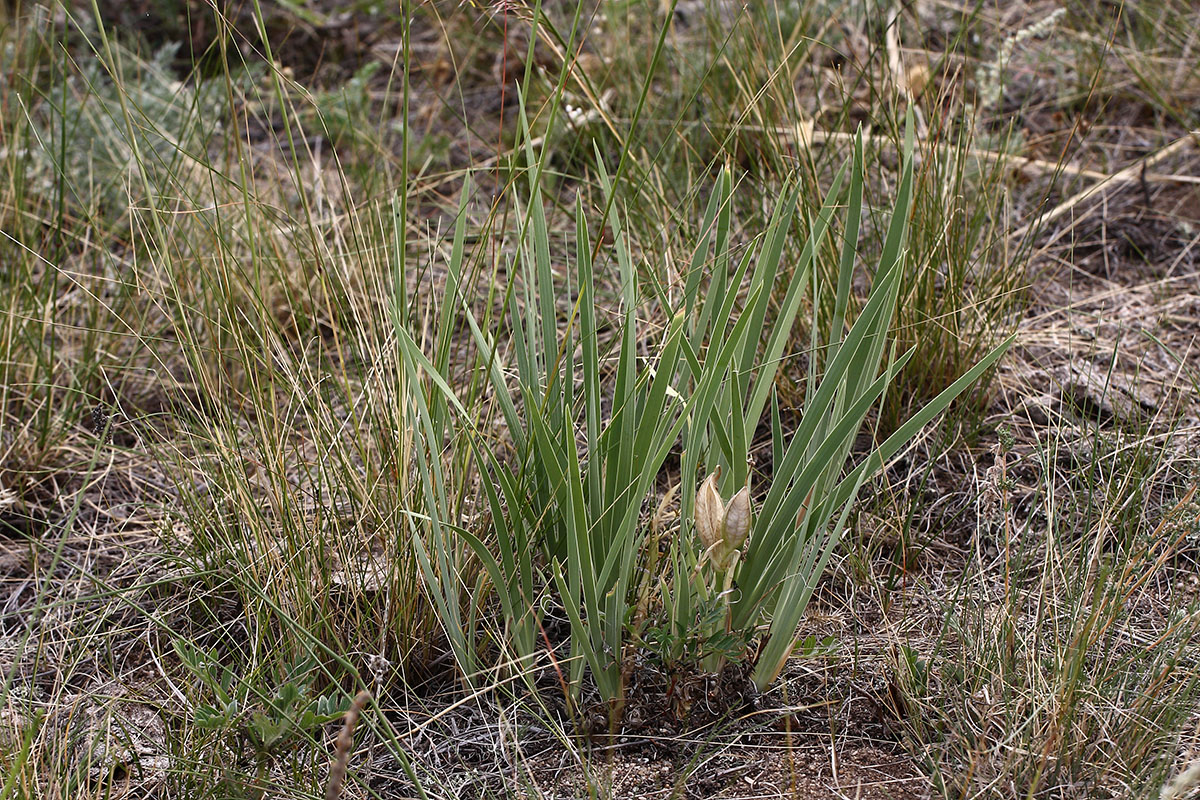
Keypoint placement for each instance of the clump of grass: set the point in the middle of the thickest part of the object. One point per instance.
(1065, 681)
(709, 389)
(228, 310)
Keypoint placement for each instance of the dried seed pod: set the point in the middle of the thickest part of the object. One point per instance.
(737, 519)
(735, 527)
(710, 511)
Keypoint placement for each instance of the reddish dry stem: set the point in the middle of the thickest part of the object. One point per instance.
(345, 741)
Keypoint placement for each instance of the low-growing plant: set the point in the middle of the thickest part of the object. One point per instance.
(567, 511)
(265, 721)
(255, 722)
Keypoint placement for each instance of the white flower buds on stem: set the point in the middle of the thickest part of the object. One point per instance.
(723, 529)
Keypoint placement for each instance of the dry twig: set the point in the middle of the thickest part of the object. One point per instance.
(345, 741)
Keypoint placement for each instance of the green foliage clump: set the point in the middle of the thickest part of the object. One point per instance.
(568, 528)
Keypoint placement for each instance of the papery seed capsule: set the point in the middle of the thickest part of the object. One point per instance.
(737, 519)
(710, 511)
